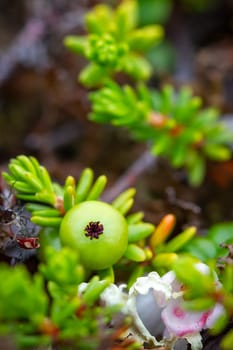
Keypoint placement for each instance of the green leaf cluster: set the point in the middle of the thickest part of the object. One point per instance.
(114, 43)
(167, 252)
(61, 314)
(23, 305)
(46, 200)
(49, 202)
(62, 267)
(208, 248)
(206, 281)
(60, 262)
(31, 180)
(161, 251)
(36, 316)
(21, 293)
(172, 122)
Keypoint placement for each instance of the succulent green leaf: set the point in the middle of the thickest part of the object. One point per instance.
(92, 75)
(46, 180)
(137, 67)
(47, 221)
(220, 324)
(84, 185)
(69, 197)
(217, 152)
(144, 38)
(76, 44)
(202, 248)
(227, 341)
(17, 171)
(135, 253)
(196, 171)
(97, 188)
(221, 233)
(123, 209)
(206, 282)
(26, 163)
(46, 213)
(180, 240)
(107, 274)
(36, 207)
(164, 260)
(124, 197)
(135, 218)
(139, 231)
(98, 20)
(227, 278)
(126, 16)
(21, 186)
(33, 182)
(94, 289)
(46, 197)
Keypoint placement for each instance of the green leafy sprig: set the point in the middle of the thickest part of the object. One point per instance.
(208, 248)
(114, 43)
(173, 123)
(37, 317)
(48, 202)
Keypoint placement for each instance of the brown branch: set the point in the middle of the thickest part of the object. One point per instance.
(129, 178)
(27, 45)
(31, 34)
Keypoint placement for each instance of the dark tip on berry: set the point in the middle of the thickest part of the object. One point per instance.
(94, 229)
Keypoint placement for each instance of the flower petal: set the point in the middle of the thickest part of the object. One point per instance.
(180, 322)
(114, 295)
(138, 328)
(170, 279)
(162, 290)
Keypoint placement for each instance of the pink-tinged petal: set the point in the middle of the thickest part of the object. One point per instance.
(180, 322)
(216, 312)
(170, 279)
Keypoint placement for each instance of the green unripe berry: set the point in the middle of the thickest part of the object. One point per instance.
(97, 231)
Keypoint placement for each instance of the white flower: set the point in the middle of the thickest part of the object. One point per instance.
(179, 322)
(114, 295)
(162, 289)
(169, 314)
